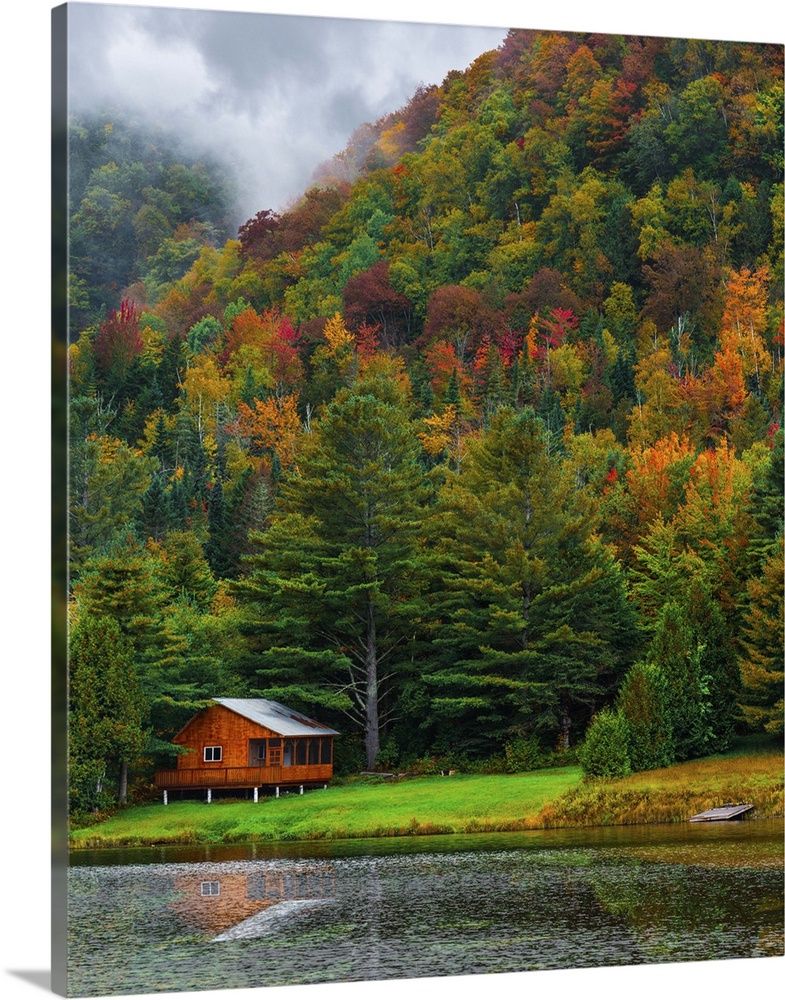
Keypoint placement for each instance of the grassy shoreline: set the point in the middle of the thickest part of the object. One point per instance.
(673, 794)
(547, 799)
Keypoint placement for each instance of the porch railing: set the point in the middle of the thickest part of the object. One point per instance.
(242, 777)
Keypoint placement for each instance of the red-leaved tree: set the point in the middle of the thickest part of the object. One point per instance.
(119, 340)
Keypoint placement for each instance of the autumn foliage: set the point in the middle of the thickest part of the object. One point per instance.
(119, 339)
(493, 409)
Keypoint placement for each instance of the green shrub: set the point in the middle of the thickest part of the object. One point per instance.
(523, 753)
(645, 703)
(389, 758)
(437, 764)
(561, 757)
(349, 755)
(495, 764)
(605, 751)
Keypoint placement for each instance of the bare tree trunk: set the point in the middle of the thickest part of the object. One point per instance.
(372, 692)
(122, 793)
(566, 723)
(99, 787)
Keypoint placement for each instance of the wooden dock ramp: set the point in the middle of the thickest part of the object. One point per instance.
(723, 812)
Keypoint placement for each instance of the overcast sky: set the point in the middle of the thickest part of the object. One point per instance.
(275, 94)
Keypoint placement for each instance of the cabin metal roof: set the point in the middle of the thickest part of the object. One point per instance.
(275, 716)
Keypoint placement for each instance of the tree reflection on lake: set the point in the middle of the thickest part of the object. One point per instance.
(429, 906)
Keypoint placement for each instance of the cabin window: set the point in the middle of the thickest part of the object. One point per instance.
(313, 751)
(275, 752)
(301, 751)
(257, 753)
(213, 753)
(288, 753)
(211, 888)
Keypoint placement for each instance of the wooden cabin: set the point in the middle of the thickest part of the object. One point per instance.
(243, 743)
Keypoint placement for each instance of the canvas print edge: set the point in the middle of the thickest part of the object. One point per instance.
(58, 695)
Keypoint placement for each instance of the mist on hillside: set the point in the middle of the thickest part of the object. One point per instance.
(273, 96)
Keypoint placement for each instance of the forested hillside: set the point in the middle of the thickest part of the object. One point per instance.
(476, 443)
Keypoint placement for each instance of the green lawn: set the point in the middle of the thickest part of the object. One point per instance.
(454, 804)
(457, 804)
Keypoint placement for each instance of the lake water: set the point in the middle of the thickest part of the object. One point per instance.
(215, 918)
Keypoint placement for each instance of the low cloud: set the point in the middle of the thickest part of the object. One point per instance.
(273, 95)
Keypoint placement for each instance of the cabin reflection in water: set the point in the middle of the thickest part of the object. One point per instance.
(216, 902)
